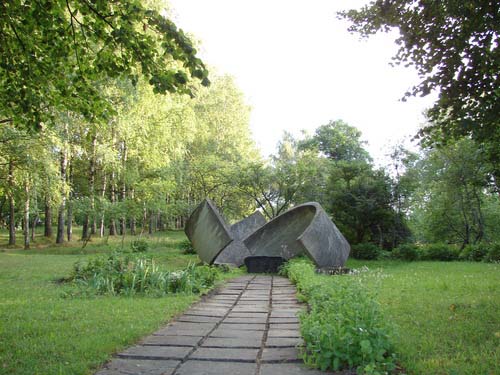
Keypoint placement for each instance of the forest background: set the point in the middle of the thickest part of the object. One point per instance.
(110, 142)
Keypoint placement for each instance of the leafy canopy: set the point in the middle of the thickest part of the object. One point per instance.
(454, 45)
(54, 54)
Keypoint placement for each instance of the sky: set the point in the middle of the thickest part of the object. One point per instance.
(299, 68)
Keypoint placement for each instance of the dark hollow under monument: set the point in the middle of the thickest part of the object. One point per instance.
(304, 229)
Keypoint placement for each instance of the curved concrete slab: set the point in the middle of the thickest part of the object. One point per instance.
(207, 231)
(305, 229)
(236, 252)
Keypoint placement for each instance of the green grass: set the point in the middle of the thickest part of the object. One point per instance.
(43, 333)
(447, 314)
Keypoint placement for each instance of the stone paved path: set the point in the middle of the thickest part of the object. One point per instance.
(249, 327)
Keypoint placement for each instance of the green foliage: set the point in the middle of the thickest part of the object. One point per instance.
(57, 53)
(345, 327)
(408, 252)
(454, 47)
(367, 251)
(139, 246)
(454, 202)
(119, 274)
(187, 247)
(474, 253)
(439, 251)
(493, 254)
(338, 141)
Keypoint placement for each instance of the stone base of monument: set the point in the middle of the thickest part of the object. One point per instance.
(263, 264)
(333, 270)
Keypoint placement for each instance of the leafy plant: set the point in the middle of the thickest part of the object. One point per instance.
(187, 247)
(493, 254)
(139, 246)
(474, 253)
(367, 251)
(344, 328)
(442, 252)
(406, 252)
(125, 274)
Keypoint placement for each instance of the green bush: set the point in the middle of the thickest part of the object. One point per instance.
(344, 328)
(139, 246)
(408, 252)
(127, 274)
(475, 253)
(439, 251)
(493, 253)
(187, 247)
(366, 251)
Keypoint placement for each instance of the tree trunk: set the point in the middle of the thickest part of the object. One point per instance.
(33, 227)
(151, 222)
(92, 174)
(62, 208)
(123, 193)
(112, 187)
(48, 219)
(69, 224)
(26, 219)
(12, 205)
(103, 195)
(132, 219)
(69, 227)
(112, 222)
(144, 218)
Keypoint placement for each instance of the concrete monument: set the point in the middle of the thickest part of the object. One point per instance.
(304, 229)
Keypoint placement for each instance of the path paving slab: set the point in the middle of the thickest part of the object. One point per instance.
(243, 327)
(283, 320)
(216, 368)
(283, 342)
(257, 320)
(278, 332)
(199, 319)
(289, 369)
(228, 332)
(276, 355)
(233, 342)
(226, 354)
(172, 340)
(155, 352)
(142, 366)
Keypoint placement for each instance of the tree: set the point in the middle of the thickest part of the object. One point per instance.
(54, 53)
(337, 141)
(455, 47)
(452, 196)
(360, 202)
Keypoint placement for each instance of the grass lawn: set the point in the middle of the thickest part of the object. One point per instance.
(447, 315)
(43, 333)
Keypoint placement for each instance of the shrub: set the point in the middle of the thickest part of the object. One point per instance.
(408, 252)
(367, 251)
(345, 327)
(474, 253)
(187, 247)
(439, 251)
(493, 253)
(139, 246)
(125, 274)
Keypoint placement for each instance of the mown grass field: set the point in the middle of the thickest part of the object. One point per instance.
(41, 332)
(446, 314)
